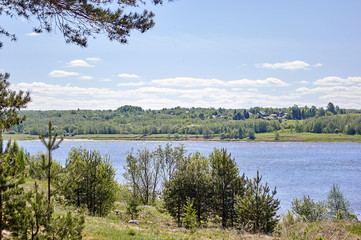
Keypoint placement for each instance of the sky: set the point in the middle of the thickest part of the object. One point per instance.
(204, 53)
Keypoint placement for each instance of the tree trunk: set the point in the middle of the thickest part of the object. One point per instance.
(49, 172)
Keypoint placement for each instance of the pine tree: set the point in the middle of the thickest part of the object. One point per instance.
(50, 145)
(257, 209)
(192, 181)
(226, 184)
(79, 20)
(12, 201)
(189, 215)
(11, 168)
(338, 206)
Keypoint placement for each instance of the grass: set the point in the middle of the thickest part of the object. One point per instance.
(330, 230)
(157, 224)
(153, 225)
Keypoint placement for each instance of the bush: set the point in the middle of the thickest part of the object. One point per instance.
(277, 136)
(309, 210)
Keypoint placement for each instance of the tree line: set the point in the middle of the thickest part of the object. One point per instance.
(204, 122)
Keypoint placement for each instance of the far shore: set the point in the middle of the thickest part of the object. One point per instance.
(261, 137)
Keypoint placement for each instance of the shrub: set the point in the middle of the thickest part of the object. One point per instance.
(309, 210)
(277, 136)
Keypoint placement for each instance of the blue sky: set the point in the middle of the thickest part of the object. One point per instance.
(204, 53)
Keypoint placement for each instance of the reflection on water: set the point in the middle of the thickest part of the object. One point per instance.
(295, 168)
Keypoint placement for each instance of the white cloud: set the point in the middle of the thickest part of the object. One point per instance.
(344, 96)
(56, 96)
(78, 63)
(318, 65)
(93, 59)
(186, 82)
(130, 84)
(32, 34)
(285, 65)
(265, 82)
(61, 73)
(334, 81)
(85, 77)
(125, 75)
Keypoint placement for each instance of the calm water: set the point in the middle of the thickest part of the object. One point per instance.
(295, 169)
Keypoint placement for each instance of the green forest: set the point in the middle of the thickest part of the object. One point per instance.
(183, 123)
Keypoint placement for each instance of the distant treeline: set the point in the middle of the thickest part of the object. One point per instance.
(208, 122)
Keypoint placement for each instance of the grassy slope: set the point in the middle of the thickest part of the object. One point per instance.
(158, 224)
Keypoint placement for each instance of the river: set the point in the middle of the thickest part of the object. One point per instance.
(296, 169)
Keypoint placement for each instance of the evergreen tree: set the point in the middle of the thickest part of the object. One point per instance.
(10, 103)
(257, 209)
(12, 203)
(191, 181)
(11, 167)
(189, 216)
(226, 185)
(338, 206)
(175, 197)
(50, 145)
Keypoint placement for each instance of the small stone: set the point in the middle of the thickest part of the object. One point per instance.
(134, 222)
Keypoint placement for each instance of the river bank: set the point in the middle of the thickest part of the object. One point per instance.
(284, 136)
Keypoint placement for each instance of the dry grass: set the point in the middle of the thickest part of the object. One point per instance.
(331, 230)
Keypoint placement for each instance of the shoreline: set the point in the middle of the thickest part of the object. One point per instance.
(262, 137)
